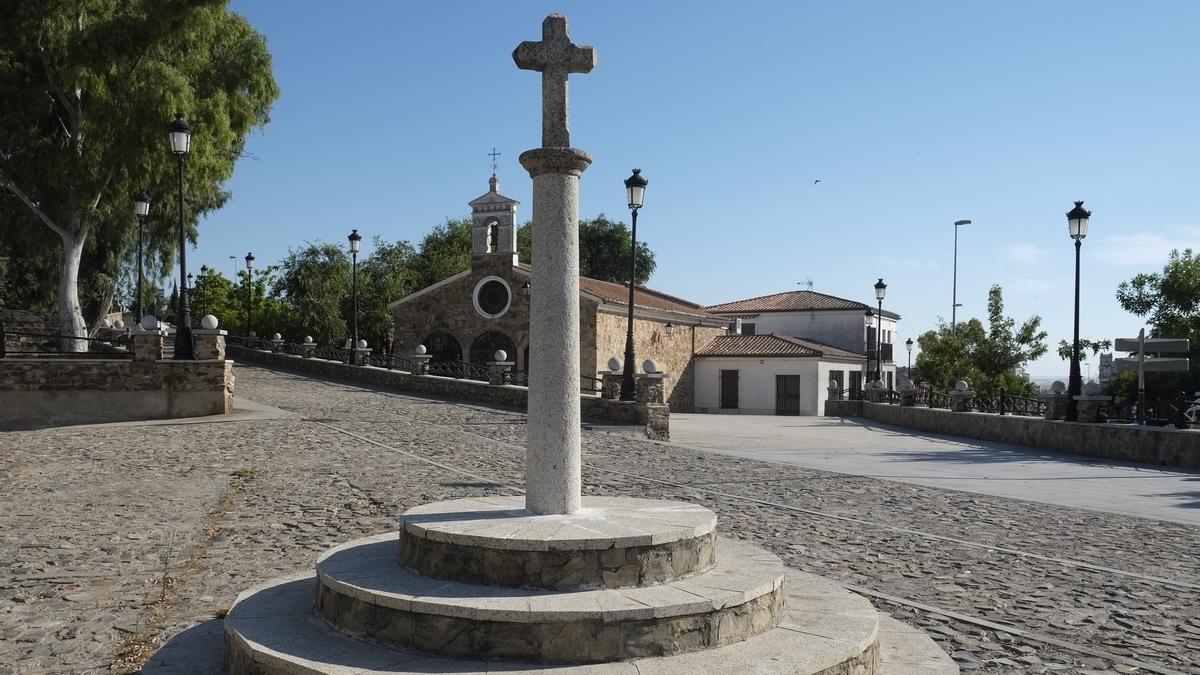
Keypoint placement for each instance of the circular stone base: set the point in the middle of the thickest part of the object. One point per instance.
(612, 542)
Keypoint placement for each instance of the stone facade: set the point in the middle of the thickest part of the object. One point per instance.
(27, 321)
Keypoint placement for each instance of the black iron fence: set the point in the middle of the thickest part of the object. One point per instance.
(461, 370)
(42, 345)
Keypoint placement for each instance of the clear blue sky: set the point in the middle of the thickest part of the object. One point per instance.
(912, 115)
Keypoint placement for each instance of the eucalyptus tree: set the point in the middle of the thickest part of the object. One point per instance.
(88, 88)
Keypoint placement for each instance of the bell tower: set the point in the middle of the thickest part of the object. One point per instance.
(494, 220)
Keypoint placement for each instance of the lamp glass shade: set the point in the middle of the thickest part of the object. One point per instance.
(1077, 221)
(669, 328)
(908, 343)
(354, 238)
(880, 289)
(249, 261)
(180, 133)
(141, 205)
(635, 189)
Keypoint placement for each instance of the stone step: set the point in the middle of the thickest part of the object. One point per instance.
(364, 591)
(612, 542)
(904, 650)
(272, 629)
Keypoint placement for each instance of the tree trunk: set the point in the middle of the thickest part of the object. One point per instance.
(69, 312)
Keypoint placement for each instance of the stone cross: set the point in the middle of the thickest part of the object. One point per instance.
(555, 57)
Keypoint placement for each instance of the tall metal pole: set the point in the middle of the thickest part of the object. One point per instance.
(249, 299)
(183, 330)
(141, 227)
(627, 381)
(354, 298)
(1075, 384)
(879, 345)
(954, 287)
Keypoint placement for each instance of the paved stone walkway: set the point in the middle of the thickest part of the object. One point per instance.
(115, 539)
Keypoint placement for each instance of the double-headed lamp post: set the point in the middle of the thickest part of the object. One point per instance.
(954, 291)
(355, 239)
(1077, 227)
(141, 206)
(880, 291)
(635, 190)
(180, 134)
(249, 290)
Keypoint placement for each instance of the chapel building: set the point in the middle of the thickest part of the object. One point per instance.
(467, 317)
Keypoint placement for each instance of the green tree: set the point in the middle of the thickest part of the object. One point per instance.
(213, 294)
(314, 284)
(1085, 346)
(988, 358)
(88, 87)
(1170, 302)
(604, 247)
(387, 275)
(444, 252)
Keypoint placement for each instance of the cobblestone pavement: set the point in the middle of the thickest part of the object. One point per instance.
(114, 539)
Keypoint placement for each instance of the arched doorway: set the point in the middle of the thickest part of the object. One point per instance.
(442, 347)
(485, 346)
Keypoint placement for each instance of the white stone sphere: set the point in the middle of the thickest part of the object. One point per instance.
(209, 322)
(500, 355)
(906, 384)
(1092, 388)
(253, 334)
(1058, 387)
(420, 350)
(833, 384)
(961, 385)
(107, 323)
(650, 366)
(276, 336)
(308, 339)
(614, 364)
(362, 344)
(119, 324)
(149, 322)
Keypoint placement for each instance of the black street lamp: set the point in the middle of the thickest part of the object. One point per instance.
(141, 206)
(635, 190)
(180, 134)
(355, 238)
(190, 284)
(954, 292)
(880, 291)
(249, 290)
(908, 343)
(1077, 227)
(870, 324)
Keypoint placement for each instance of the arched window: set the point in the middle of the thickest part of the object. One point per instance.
(443, 347)
(485, 346)
(493, 235)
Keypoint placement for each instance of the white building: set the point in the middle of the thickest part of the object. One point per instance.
(810, 339)
(769, 374)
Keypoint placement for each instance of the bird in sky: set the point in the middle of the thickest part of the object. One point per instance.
(816, 181)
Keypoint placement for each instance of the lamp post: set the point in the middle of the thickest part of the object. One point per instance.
(1077, 227)
(954, 291)
(635, 190)
(355, 238)
(908, 343)
(870, 324)
(141, 206)
(180, 134)
(249, 290)
(880, 291)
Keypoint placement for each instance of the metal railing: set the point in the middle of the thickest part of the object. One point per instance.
(591, 385)
(46, 345)
(461, 370)
(517, 377)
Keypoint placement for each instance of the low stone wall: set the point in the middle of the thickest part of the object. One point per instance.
(1152, 445)
(654, 417)
(46, 392)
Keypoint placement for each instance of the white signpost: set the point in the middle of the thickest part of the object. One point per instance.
(1153, 364)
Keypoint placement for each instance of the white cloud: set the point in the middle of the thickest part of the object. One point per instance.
(1026, 253)
(1145, 247)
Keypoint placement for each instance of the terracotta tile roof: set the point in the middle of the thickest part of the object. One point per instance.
(770, 345)
(793, 301)
(646, 298)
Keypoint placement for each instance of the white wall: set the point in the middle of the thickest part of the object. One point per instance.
(756, 382)
(847, 330)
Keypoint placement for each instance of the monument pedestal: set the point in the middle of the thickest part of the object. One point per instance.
(622, 585)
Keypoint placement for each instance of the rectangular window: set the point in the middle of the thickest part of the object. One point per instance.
(747, 328)
(729, 389)
(856, 380)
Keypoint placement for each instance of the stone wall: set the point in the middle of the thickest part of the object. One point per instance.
(672, 352)
(1152, 445)
(52, 392)
(654, 417)
(27, 321)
